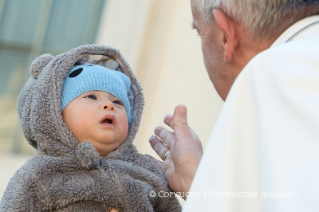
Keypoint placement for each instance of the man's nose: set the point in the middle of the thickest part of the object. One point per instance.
(108, 106)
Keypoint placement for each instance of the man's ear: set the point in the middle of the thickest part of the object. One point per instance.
(229, 38)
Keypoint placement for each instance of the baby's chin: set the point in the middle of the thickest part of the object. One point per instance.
(104, 148)
(103, 154)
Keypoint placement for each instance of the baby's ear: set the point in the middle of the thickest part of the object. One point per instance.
(39, 63)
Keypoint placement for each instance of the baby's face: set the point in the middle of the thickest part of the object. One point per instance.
(98, 118)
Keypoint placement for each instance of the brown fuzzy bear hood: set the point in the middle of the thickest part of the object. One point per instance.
(39, 103)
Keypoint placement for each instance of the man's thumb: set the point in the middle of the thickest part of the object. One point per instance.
(180, 116)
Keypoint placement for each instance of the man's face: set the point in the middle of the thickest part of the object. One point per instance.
(212, 50)
(98, 118)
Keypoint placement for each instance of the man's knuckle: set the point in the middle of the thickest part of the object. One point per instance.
(181, 123)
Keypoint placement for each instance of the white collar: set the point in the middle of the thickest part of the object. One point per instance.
(294, 29)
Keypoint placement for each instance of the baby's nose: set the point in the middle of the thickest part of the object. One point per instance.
(108, 106)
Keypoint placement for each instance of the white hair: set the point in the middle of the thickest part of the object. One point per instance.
(263, 18)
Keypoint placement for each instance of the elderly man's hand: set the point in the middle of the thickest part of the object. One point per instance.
(185, 150)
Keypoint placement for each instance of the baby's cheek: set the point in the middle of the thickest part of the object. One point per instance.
(124, 128)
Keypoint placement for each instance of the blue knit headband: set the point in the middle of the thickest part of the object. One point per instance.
(86, 78)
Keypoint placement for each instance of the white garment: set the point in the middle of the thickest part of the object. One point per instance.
(266, 139)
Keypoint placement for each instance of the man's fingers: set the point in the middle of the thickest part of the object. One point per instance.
(158, 146)
(168, 120)
(181, 128)
(178, 119)
(165, 135)
(180, 115)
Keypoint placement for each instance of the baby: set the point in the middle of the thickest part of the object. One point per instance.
(81, 111)
(95, 106)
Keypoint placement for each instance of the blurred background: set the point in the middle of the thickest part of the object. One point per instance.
(155, 37)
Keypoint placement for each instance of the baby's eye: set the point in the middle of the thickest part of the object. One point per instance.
(118, 102)
(91, 96)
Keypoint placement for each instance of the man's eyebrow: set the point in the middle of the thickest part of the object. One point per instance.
(193, 26)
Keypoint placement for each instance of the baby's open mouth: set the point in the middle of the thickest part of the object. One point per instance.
(109, 121)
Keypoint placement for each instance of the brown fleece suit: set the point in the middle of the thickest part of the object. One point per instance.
(67, 175)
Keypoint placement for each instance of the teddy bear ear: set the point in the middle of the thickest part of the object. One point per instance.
(39, 63)
(111, 64)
